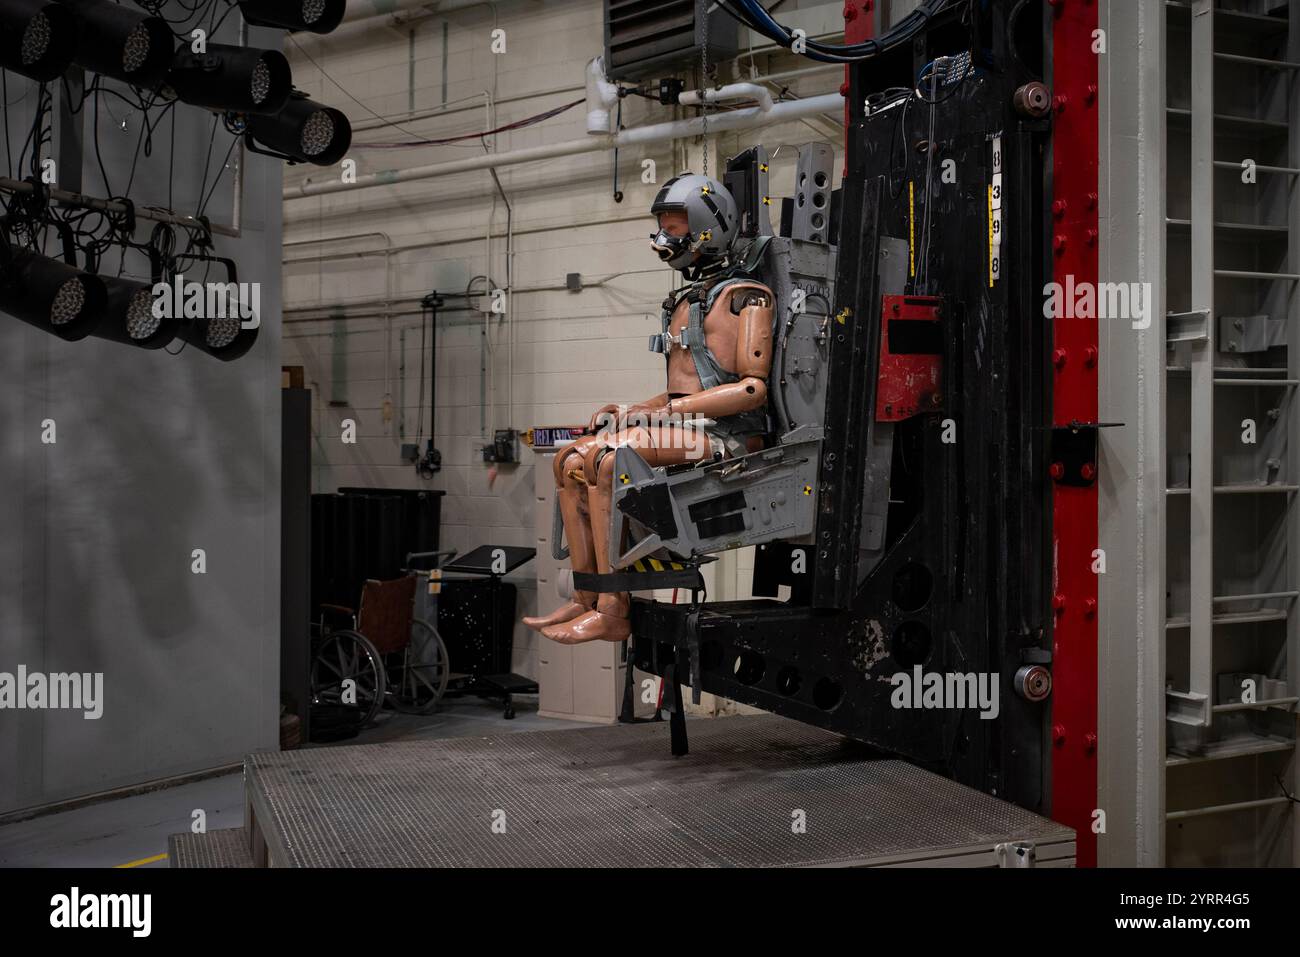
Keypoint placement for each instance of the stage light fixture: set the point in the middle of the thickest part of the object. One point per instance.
(231, 78)
(123, 43)
(305, 131)
(221, 337)
(38, 39)
(50, 294)
(128, 316)
(310, 16)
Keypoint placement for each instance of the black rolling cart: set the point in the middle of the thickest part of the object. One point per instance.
(476, 617)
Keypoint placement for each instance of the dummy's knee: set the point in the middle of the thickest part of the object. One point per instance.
(568, 459)
(598, 465)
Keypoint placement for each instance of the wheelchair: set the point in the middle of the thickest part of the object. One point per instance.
(388, 652)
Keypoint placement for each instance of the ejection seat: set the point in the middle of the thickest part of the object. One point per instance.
(681, 513)
(667, 521)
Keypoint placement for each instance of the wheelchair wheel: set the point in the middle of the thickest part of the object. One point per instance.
(418, 682)
(342, 656)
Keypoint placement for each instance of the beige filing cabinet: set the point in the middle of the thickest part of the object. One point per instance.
(581, 682)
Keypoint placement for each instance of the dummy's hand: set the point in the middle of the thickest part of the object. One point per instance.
(603, 418)
(647, 412)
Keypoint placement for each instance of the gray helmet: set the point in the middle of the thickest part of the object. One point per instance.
(712, 219)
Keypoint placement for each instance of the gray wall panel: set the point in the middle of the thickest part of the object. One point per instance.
(156, 455)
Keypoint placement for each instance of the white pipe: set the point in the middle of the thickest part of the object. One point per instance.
(485, 424)
(656, 133)
(732, 91)
(602, 96)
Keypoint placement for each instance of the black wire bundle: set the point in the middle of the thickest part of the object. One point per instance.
(752, 14)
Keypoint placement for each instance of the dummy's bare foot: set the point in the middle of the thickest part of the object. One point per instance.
(566, 612)
(593, 626)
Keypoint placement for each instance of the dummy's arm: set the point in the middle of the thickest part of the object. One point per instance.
(657, 402)
(753, 362)
(607, 415)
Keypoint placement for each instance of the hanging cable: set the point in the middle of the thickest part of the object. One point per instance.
(507, 128)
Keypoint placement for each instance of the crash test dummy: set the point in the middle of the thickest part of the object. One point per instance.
(717, 340)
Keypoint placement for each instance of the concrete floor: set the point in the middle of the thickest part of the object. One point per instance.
(133, 831)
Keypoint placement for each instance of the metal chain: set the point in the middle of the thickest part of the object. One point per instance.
(704, 85)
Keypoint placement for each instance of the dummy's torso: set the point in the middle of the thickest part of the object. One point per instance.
(721, 332)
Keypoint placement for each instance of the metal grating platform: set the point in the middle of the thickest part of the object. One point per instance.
(615, 797)
(227, 847)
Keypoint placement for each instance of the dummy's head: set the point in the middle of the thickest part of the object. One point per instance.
(698, 221)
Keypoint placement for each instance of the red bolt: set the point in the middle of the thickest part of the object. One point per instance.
(1090, 357)
(1088, 472)
(1059, 244)
(844, 88)
(1058, 603)
(1092, 200)
(1058, 734)
(897, 309)
(1060, 102)
(1089, 605)
(1059, 207)
(850, 13)
(868, 5)
(1057, 470)
(1092, 94)
(1090, 742)
(1092, 237)
(1058, 358)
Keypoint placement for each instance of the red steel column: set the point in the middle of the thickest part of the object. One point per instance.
(1074, 399)
(859, 25)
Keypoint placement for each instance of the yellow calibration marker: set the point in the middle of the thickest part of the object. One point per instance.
(842, 315)
(911, 228)
(807, 489)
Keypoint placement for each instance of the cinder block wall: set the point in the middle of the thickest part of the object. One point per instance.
(557, 355)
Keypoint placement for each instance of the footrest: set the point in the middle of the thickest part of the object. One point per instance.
(645, 574)
(510, 684)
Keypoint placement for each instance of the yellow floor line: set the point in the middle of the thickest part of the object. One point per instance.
(143, 861)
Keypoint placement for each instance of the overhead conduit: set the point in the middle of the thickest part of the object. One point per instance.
(600, 96)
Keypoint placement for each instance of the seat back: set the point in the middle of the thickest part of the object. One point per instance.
(800, 274)
(385, 613)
